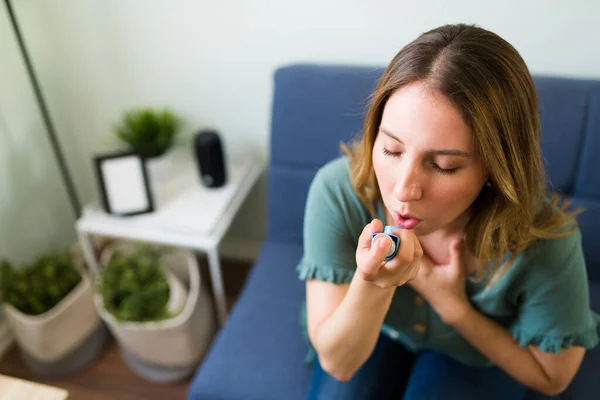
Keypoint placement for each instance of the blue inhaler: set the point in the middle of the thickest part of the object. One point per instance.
(387, 231)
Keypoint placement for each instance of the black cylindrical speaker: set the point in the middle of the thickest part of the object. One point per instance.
(210, 157)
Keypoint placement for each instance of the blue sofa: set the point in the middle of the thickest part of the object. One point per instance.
(259, 353)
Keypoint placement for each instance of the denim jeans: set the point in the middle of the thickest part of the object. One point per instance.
(393, 372)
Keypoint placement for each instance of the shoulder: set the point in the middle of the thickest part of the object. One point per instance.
(333, 181)
(554, 252)
(335, 174)
(564, 245)
(333, 201)
(557, 250)
(547, 261)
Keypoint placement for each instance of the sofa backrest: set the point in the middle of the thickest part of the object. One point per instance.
(316, 107)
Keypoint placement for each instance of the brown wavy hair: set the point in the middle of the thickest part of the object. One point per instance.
(486, 79)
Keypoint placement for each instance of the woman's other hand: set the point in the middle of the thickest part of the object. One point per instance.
(443, 286)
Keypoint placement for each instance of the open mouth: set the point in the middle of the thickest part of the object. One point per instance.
(406, 221)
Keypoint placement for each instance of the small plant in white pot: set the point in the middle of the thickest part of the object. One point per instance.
(49, 307)
(163, 327)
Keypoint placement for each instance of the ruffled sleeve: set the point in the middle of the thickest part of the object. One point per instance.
(329, 273)
(333, 221)
(553, 344)
(555, 308)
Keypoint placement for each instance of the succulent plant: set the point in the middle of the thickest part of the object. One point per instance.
(37, 287)
(134, 287)
(148, 131)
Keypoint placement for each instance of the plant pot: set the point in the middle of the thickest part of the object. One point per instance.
(161, 167)
(65, 339)
(168, 350)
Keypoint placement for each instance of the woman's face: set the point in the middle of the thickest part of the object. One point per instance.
(424, 161)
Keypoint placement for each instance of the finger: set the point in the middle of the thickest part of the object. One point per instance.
(416, 265)
(364, 241)
(426, 265)
(406, 252)
(456, 253)
(400, 266)
(456, 259)
(401, 274)
(418, 249)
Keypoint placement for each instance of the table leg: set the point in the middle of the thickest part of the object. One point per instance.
(217, 284)
(87, 248)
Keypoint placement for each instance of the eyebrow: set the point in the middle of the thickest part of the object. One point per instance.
(430, 151)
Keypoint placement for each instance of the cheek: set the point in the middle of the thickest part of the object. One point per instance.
(378, 163)
(383, 171)
(459, 193)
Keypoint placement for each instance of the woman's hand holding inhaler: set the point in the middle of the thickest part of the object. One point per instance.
(372, 251)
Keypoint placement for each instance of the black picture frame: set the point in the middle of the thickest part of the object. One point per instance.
(144, 185)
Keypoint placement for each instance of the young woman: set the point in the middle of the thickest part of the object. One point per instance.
(488, 293)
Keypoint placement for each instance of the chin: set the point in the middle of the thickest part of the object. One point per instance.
(424, 229)
(421, 230)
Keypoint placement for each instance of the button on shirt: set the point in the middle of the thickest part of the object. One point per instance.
(542, 300)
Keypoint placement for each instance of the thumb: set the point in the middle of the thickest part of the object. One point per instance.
(376, 255)
(364, 241)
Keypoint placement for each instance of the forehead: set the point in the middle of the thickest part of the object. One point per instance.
(423, 117)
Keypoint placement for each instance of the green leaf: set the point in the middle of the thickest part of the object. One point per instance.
(134, 287)
(37, 287)
(148, 131)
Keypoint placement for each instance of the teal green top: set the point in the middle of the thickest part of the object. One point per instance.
(543, 299)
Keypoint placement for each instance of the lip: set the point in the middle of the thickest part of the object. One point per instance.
(406, 221)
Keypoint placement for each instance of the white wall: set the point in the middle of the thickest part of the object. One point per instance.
(35, 213)
(213, 61)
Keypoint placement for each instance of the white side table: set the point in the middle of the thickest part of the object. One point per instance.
(187, 214)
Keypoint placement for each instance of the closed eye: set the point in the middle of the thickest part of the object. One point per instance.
(392, 153)
(448, 171)
(445, 171)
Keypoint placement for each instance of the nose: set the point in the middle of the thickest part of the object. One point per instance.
(408, 186)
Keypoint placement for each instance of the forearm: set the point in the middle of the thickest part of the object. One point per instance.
(496, 343)
(346, 339)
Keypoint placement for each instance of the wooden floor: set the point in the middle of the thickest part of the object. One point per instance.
(109, 377)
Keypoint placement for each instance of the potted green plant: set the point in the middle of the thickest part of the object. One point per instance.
(49, 308)
(161, 321)
(135, 287)
(152, 133)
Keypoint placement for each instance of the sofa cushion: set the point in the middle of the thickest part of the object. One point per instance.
(314, 108)
(563, 105)
(288, 189)
(259, 355)
(589, 223)
(588, 178)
